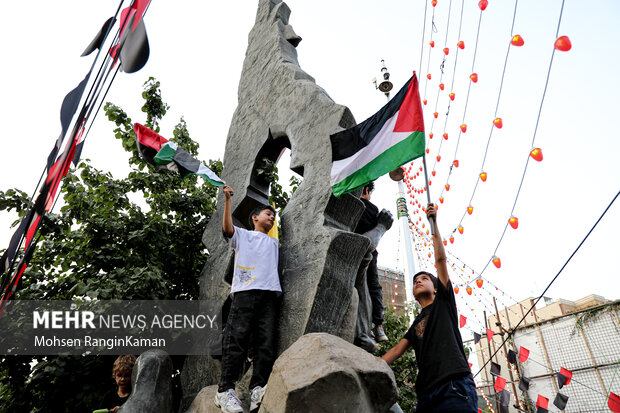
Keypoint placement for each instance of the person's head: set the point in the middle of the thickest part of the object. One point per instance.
(367, 191)
(424, 286)
(262, 218)
(121, 371)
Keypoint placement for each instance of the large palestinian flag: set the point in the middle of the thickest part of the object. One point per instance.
(388, 139)
(160, 152)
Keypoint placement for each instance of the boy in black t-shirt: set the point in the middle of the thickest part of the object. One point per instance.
(444, 383)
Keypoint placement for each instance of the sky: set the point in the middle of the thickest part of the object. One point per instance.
(197, 50)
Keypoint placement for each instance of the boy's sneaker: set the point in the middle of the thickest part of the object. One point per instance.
(380, 334)
(228, 401)
(256, 395)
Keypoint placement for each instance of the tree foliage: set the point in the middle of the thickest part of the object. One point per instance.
(405, 368)
(138, 237)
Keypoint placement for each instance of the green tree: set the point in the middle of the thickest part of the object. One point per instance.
(406, 367)
(138, 237)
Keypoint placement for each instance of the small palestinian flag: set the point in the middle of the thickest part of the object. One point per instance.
(390, 138)
(160, 152)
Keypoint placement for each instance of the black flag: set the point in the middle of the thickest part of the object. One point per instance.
(134, 47)
(504, 401)
(495, 369)
(524, 384)
(100, 38)
(477, 338)
(512, 357)
(560, 401)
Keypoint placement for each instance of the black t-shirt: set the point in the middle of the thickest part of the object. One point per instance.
(112, 399)
(437, 342)
(368, 219)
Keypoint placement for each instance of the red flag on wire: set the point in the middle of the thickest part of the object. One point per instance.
(462, 321)
(614, 403)
(542, 402)
(500, 383)
(490, 334)
(523, 354)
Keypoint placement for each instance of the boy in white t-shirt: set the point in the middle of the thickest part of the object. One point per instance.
(254, 309)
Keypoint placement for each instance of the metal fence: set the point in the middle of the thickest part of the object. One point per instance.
(586, 343)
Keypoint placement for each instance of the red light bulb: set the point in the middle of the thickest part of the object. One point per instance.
(425, 102)
(474, 77)
(428, 76)
(451, 239)
(514, 222)
(469, 290)
(463, 128)
(438, 158)
(445, 136)
(461, 229)
(432, 43)
(483, 176)
(456, 290)
(479, 282)
(456, 163)
(434, 3)
(517, 40)
(446, 51)
(470, 209)
(563, 44)
(447, 187)
(433, 173)
(445, 243)
(441, 200)
(498, 123)
(441, 86)
(483, 4)
(427, 150)
(536, 154)
(452, 95)
(496, 261)
(461, 45)
(435, 115)
(430, 136)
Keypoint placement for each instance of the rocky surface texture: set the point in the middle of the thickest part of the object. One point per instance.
(151, 384)
(281, 106)
(323, 373)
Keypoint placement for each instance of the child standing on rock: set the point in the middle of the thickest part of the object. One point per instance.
(254, 309)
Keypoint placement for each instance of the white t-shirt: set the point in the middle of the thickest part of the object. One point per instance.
(256, 261)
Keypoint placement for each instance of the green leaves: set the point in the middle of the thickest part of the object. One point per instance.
(137, 237)
(406, 367)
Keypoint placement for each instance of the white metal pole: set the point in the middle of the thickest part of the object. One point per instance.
(403, 218)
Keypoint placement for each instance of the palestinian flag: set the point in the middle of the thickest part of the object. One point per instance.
(388, 139)
(162, 153)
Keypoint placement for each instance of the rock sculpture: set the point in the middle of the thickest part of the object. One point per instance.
(151, 384)
(323, 373)
(280, 106)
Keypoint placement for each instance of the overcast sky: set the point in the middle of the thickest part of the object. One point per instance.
(197, 50)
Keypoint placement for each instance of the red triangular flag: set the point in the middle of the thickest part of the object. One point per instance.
(566, 373)
(462, 321)
(469, 365)
(542, 402)
(500, 383)
(614, 402)
(490, 335)
(523, 354)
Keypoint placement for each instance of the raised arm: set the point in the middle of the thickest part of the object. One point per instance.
(396, 351)
(440, 253)
(227, 222)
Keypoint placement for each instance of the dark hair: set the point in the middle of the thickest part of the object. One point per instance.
(370, 185)
(123, 364)
(431, 276)
(257, 211)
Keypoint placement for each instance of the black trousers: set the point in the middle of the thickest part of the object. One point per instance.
(375, 290)
(251, 312)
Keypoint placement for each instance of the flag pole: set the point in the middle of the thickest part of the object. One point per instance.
(428, 193)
